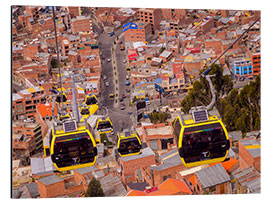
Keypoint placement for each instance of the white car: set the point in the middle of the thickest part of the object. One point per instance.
(104, 77)
(108, 60)
(107, 84)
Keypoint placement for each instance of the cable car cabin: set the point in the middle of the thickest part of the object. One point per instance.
(85, 112)
(201, 138)
(104, 125)
(72, 145)
(128, 144)
(65, 117)
(61, 98)
(91, 102)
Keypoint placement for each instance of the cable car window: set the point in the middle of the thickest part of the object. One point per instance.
(176, 131)
(129, 145)
(104, 125)
(73, 149)
(91, 100)
(85, 111)
(209, 142)
(61, 98)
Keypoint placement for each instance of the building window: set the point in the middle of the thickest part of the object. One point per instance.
(166, 177)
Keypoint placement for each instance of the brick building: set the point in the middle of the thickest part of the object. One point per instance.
(250, 154)
(246, 181)
(151, 15)
(137, 32)
(129, 164)
(24, 102)
(156, 136)
(207, 183)
(81, 24)
(27, 130)
(74, 11)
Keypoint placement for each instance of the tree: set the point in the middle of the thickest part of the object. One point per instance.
(94, 189)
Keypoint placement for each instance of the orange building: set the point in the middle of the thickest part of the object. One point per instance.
(256, 63)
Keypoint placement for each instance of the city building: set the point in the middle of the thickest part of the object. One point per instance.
(242, 68)
(246, 181)
(151, 15)
(135, 32)
(256, 64)
(207, 183)
(81, 24)
(24, 102)
(126, 166)
(157, 136)
(250, 154)
(27, 136)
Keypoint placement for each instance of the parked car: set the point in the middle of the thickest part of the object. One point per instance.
(127, 82)
(104, 77)
(123, 106)
(107, 84)
(109, 60)
(111, 34)
(124, 96)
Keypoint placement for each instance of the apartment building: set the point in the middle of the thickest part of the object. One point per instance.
(27, 135)
(24, 102)
(242, 68)
(135, 32)
(151, 15)
(81, 24)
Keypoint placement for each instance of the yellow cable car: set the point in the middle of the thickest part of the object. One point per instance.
(128, 144)
(201, 138)
(104, 125)
(64, 117)
(72, 145)
(61, 98)
(91, 102)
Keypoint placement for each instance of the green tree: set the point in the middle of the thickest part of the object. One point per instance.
(94, 189)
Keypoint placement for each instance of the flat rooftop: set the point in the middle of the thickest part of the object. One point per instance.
(166, 130)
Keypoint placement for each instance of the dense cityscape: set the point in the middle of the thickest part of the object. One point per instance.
(144, 70)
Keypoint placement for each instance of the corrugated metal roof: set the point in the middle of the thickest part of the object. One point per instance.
(41, 165)
(16, 96)
(32, 189)
(255, 152)
(213, 175)
(112, 186)
(145, 152)
(50, 180)
(85, 170)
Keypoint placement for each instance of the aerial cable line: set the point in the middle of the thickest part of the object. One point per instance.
(57, 52)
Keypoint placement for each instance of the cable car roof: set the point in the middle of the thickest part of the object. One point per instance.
(187, 119)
